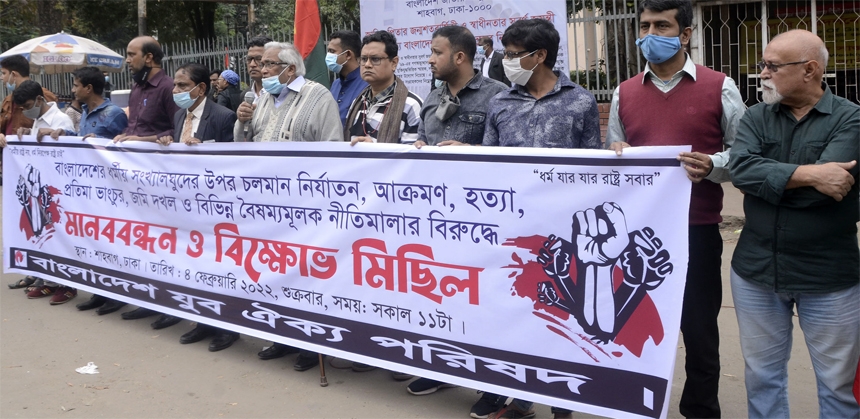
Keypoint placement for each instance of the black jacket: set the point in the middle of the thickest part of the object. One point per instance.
(497, 71)
(216, 123)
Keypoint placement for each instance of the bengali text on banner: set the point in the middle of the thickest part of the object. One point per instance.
(549, 275)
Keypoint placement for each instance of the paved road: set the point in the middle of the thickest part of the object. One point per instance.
(148, 374)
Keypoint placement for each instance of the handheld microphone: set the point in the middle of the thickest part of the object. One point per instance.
(249, 99)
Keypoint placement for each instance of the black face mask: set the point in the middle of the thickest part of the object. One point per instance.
(140, 76)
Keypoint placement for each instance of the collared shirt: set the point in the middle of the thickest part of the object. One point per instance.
(105, 121)
(733, 109)
(345, 90)
(797, 240)
(467, 124)
(11, 117)
(566, 117)
(369, 117)
(485, 67)
(53, 118)
(198, 113)
(252, 90)
(151, 107)
(295, 85)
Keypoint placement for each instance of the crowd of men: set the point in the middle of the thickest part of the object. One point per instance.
(793, 156)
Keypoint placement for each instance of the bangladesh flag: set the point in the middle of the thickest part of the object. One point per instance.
(309, 42)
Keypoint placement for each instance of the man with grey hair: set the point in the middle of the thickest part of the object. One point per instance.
(292, 107)
(795, 159)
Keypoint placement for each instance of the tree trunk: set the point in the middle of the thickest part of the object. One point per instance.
(50, 17)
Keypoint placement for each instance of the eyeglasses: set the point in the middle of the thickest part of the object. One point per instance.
(250, 58)
(513, 54)
(267, 64)
(775, 67)
(375, 61)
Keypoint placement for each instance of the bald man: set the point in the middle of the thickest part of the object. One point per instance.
(150, 105)
(150, 116)
(795, 159)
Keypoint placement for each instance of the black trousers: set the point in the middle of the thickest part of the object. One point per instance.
(703, 296)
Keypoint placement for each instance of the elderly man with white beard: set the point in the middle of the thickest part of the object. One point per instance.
(795, 159)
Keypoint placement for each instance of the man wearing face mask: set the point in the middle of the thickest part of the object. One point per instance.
(342, 59)
(386, 111)
(16, 70)
(292, 107)
(150, 116)
(46, 117)
(199, 119)
(543, 108)
(150, 104)
(491, 63)
(457, 110)
(704, 107)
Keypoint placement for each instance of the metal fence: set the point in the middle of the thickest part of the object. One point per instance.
(734, 36)
(216, 54)
(602, 41)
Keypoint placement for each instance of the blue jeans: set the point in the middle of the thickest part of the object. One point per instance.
(831, 328)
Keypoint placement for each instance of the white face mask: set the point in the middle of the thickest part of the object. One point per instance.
(515, 72)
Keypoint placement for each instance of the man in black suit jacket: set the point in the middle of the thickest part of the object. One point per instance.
(491, 64)
(213, 123)
(209, 120)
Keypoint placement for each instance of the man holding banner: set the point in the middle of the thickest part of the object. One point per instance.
(705, 107)
(150, 109)
(457, 110)
(293, 108)
(386, 111)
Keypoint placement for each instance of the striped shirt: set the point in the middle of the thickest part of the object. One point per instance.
(372, 109)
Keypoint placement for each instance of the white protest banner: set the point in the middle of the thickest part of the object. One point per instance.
(550, 275)
(413, 22)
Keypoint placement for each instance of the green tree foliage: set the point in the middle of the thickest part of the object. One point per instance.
(279, 15)
(17, 22)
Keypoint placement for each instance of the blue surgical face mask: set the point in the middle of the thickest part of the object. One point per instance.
(184, 100)
(481, 50)
(658, 49)
(273, 84)
(438, 83)
(10, 86)
(107, 79)
(331, 62)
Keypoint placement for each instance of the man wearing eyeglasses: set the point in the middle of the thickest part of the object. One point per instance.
(386, 111)
(252, 63)
(795, 158)
(292, 107)
(676, 102)
(544, 109)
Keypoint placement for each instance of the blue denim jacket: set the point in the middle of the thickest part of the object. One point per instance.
(467, 124)
(105, 121)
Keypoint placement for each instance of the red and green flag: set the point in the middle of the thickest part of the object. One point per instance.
(309, 42)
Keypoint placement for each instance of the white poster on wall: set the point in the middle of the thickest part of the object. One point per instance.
(413, 23)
